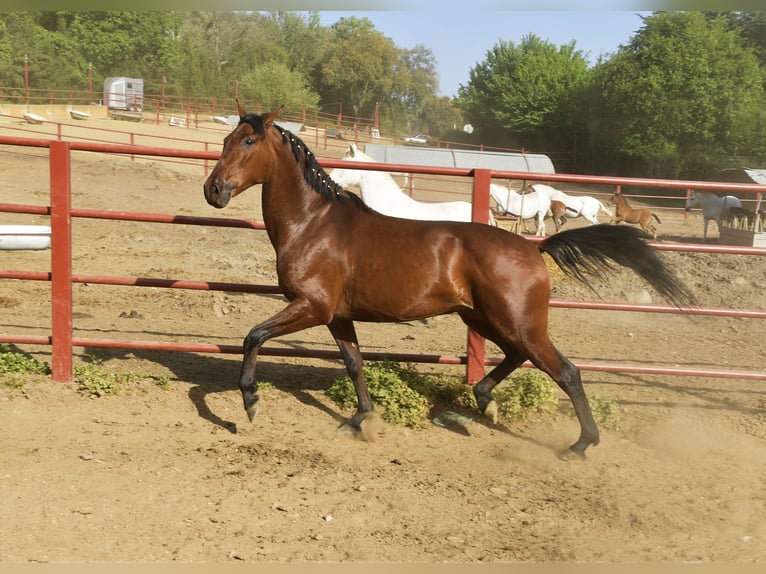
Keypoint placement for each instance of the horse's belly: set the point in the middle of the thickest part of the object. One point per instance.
(392, 300)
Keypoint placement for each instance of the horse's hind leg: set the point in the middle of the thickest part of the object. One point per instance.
(567, 375)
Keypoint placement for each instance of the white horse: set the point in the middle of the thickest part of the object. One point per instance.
(527, 206)
(714, 207)
(380, 191)
(577, 205)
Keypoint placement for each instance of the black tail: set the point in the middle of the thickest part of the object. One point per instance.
(593, 250)
(655, 217)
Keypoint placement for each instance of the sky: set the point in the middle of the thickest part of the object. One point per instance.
(460, 39)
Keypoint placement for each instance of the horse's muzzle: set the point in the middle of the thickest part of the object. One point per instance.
(217, 194)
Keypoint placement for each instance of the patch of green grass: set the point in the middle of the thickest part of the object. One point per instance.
(15, 362)
(93, 380)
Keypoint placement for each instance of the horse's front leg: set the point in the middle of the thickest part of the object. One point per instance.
(345, 336)
(298, 315)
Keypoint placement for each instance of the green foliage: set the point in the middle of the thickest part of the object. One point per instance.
(672, 103)
(15, 362)
(677, 99)
(523, 91)
(605, 411)
(389, 389)
(273, 84)
(530, 391)
(93, 380)
(357, 66)
(407, 396)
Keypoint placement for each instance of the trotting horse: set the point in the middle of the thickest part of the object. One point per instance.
(624, 212)
(338, 261)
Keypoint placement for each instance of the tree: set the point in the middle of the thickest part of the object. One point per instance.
(673, 101)
(273, 84)
(519, 93)
(134, 44)
(53, 57)
(357, 66)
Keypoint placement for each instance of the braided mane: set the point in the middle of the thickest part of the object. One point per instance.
(313, 173)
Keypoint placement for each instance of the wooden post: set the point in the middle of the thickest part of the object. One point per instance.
(61, 263)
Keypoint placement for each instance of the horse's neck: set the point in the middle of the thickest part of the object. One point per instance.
(379, 185)
(288, 201)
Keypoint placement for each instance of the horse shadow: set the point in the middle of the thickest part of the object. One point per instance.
(207, 375)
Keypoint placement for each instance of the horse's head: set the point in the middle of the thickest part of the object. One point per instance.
(352, 152)
(616, 196)
(691, 201)
(349, 177)
(244, 159)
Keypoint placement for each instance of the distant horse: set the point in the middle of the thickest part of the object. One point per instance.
(558, 214)
(338, 261)
(380, 191)
(583, 206)
(713, 205)
(624, 212)
(524, 206)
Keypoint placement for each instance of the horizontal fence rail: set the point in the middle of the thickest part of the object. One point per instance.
(61, 277)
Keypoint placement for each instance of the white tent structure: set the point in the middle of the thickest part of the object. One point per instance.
(440, 157)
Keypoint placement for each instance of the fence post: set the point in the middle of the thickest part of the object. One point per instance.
(475, 350)
(61, 263)
(686, 211)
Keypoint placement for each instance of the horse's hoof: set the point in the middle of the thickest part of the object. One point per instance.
(490, 411)
(366, 427)
(570, 455)
(252, 411)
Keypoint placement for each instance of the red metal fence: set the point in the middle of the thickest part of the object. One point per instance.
(61, 277)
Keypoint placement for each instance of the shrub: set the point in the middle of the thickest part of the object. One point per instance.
(389, 389)
(529, 391)
(407, 396)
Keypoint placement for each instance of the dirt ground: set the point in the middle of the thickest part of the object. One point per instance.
(176, 473)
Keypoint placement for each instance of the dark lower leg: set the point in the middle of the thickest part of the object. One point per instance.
(247, 385)
(345, 337)
(571, 383)
(483, 389)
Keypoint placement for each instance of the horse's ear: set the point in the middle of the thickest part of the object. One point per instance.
(240, 110)
(352, 149)
(268, 120)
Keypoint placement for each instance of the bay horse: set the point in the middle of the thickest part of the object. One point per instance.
(558, 214)
(338, 261)
(624, 212)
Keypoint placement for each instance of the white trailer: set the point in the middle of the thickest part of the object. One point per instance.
(124, 94)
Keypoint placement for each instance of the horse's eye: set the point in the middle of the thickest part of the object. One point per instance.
(249, 141)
